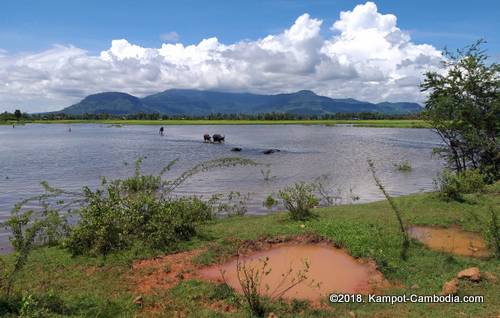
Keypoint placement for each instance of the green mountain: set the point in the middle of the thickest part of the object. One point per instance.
(199, 103)
(111, 103)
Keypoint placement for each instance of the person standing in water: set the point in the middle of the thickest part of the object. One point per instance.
(161, 131)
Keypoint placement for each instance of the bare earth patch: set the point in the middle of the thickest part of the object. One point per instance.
(163, 272)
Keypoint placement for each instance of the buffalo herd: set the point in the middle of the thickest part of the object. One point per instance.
(215, 138)
(218, 138)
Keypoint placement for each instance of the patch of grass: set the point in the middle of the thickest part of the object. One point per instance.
(86, 287)
(219, 251)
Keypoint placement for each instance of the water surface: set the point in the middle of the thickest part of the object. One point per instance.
(38, 152)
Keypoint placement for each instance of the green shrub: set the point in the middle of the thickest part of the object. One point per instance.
(452, 186)
(404, 166)
(113, 221)
(142, 210)
(298, 200)
(269, 202)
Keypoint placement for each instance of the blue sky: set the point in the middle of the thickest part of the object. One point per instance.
(55, 52)
(31, 25)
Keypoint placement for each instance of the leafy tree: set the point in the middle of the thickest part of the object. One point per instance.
(18, 114)
(464, 109)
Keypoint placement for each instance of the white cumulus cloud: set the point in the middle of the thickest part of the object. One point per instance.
(366, 57)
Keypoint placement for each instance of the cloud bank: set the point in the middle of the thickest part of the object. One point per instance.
(366, 57)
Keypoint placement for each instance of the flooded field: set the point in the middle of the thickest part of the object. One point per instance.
(33, 153)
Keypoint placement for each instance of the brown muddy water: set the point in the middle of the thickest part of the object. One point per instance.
(334, 270)
(452, 240)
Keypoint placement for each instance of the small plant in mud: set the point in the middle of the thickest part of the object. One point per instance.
(395, 208)
(251, 280)
(297, 199)
(404, 166)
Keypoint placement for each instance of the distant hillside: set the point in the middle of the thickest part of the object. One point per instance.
(111, 103)
(199, 103)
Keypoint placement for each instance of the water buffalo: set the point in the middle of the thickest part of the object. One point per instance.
(207, 138)
(218, 138)
(270, 151)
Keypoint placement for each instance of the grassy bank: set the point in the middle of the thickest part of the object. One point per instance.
(101, 287)
(388, 123)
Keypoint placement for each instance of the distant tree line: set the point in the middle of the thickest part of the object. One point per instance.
(16, 115)
(220, 116)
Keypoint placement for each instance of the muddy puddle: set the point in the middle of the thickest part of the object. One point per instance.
(330, 270)
(453, 240)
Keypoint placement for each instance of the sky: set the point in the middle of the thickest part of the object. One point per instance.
(55, 52)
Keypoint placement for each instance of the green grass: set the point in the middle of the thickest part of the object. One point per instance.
(13, 122)
(387, 123)
(100, 288)
(404, 166)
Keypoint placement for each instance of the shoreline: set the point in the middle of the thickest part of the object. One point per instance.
(221, 217)
(371, 123)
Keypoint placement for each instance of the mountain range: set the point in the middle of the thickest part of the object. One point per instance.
(199, 103)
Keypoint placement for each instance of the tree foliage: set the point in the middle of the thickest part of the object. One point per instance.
(17, 114)
(464, 109)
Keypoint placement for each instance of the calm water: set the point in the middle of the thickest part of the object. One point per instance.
(34, 153)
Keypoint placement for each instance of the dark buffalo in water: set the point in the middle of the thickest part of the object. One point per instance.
(218, 138)
(270, 151)
(207, 138)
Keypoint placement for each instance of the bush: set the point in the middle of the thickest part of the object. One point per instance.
(404, 166)
(452, 186)
(115, 220)
(298, 200)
